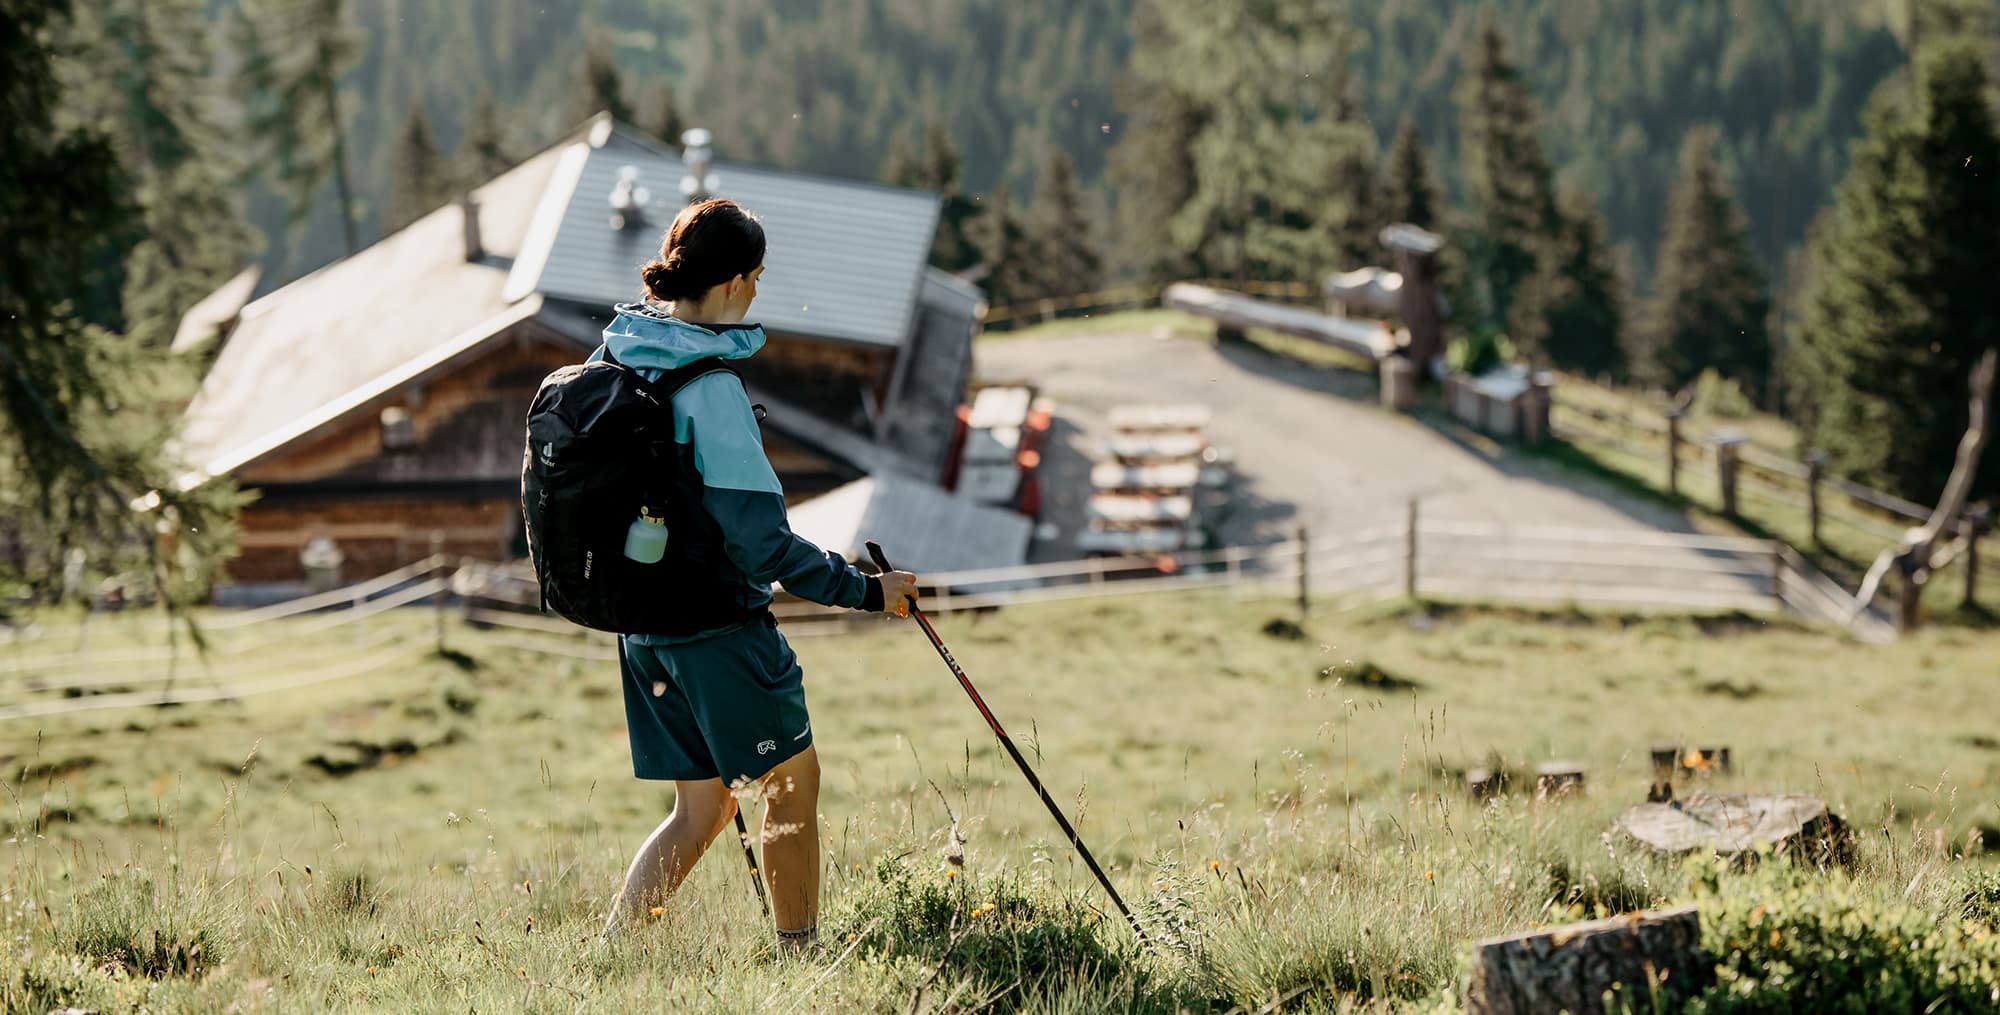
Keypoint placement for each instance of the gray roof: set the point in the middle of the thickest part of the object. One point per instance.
(922, 527)
(320, 346)
(846, 260)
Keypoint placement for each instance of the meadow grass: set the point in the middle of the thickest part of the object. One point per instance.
(1285, 811)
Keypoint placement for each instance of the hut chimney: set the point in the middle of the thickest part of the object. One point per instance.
(474, 248)
(698, 185)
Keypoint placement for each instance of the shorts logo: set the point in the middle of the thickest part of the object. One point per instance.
(766, 746)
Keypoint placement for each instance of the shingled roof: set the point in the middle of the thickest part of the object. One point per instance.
(846, 262)
(846, 259)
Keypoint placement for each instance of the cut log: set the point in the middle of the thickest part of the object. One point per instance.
(1554, 778)
(1734, 824)
(1569, 968)
(1483, 783)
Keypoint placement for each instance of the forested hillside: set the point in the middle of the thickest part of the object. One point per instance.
(826, 87)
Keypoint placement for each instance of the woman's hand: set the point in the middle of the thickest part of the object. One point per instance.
(898, 589)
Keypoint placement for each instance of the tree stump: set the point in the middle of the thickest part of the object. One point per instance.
(1484, 783)
(1569, 968)
(1554, 778)
(1734, 824)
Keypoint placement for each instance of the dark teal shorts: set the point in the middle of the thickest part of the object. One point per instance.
(731, 705)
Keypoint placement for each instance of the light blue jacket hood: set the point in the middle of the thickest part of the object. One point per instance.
(646, 339)
(714, 421)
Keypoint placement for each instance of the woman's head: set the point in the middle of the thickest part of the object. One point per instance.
(709, 263)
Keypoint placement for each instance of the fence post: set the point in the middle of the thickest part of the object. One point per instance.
(1727, 447)
(1815, 471)
(1305, 566)
(1410, 553)
(1674, 450)
(1976, 523)
(1778, 575)
(443, 575)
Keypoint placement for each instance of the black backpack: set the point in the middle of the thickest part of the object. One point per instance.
(600, 447)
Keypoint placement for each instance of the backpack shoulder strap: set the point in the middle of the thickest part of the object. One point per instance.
(674, 380)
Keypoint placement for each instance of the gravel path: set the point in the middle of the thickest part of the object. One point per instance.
(1312, 446)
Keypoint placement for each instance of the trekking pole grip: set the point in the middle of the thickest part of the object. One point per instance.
(881, 561)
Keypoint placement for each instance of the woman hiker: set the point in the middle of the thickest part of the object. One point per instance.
(726, 707)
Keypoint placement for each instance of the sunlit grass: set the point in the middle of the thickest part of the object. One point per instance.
(447, 838)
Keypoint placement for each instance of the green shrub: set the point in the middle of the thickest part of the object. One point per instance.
(1720, 397)
(150, 929)
(1011, 930)
(1787, 939)
(1479, 350)
(1980, 901)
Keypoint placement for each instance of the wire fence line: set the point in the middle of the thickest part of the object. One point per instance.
(1421, 558)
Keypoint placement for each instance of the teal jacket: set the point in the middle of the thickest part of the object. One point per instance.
(712, 416)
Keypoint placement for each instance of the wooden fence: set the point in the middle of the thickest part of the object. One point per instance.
(1741, 471)
(284, 648)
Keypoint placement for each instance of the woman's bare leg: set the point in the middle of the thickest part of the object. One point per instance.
(791, 844)
(701, 809)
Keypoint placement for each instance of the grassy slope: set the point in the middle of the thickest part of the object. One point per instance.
(1169, 726)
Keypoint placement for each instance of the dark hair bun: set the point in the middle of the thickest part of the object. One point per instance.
(708, 244)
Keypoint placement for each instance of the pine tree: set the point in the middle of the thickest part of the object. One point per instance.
(483, 152)
(80, 437)
(954, 249)
(1902, 298)
(1275, 171)
(157, 105)
(599, 86)
(1412, 194)
(1507, 177)
(294, 53)
(1568, 314)
(663, 118)
(935, 167)
(1151, 168)
(422, 183)
(1285, 162)
(1009, 264)
(1709, 306)
(1061, 239)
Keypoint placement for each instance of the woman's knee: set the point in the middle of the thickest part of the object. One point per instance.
(798, 776)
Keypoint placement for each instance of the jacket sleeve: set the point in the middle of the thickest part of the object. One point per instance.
(742, 494)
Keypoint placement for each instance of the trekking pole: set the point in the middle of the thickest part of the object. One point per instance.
(875, 550)
(756, 876)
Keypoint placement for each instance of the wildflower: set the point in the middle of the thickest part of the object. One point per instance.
(853, 935)
(1430, 875)
(1215, 865)
(658, 910)
(371, 970)
(529, 888)
(1775, 940)
(523, 970)
(950, 874)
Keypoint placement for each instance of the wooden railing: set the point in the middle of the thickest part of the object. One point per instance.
(1747, 472)
(1418, 558)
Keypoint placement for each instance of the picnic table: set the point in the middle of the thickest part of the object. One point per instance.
(1144, 418)
(1130, 509)
(1109, 477)
(1157, 540)
(1134, 448)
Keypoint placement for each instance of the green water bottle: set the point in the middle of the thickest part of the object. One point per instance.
(646, 539)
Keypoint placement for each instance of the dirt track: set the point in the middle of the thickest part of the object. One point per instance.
(1312, 446)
